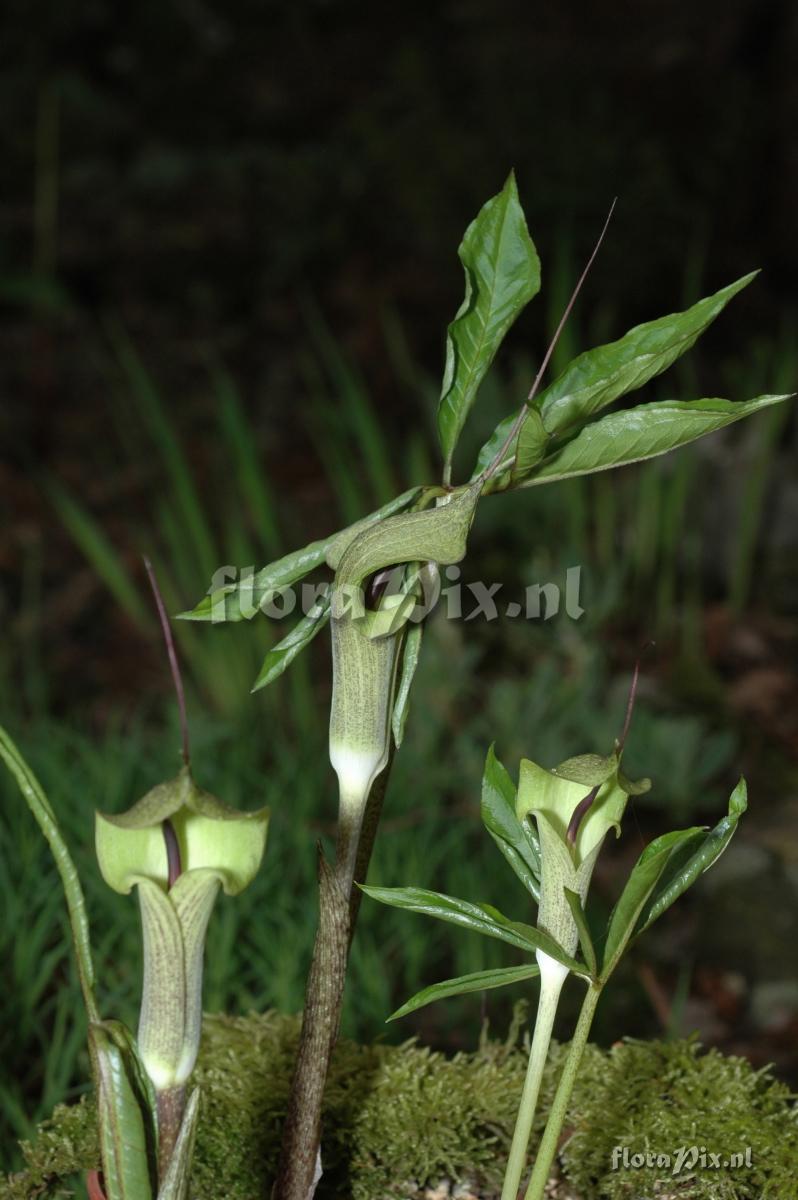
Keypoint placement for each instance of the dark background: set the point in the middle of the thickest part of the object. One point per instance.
(253, 209)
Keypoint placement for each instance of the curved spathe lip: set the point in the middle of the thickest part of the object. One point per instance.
(211, 835)
(557, 793)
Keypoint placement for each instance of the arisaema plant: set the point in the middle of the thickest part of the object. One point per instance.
(550, 829)
(177, 846)
(558, 431)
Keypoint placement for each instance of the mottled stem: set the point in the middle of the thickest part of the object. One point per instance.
(171, 1106)
(339, 901)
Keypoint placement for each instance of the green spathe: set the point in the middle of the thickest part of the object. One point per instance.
(552, 798)
(219, 847)
(210, 834)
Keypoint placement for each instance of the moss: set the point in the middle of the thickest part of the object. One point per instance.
(398, 1118)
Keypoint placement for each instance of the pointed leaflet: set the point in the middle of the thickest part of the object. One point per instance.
(601, 375)
(43, 813)
(502, 273)
(479, 981)
(693, 859)
(126, 1158)
(580, 920)
(644, 877)
(635, 434)
(410, 656)
(242, 600)
(286, 650)
(480, 918)
(515, 838)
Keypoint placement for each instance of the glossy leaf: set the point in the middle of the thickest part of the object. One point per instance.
(479, 918)
(600, 376)
(644, 877)
(502, 274)
(410, 656)
(692, 859)
(178, 1176)
(516, 839)
(478, 981)
(286, 650)
(580, 920)
(125, 1152)
(45, 818)
(635, 434)
(531, 446)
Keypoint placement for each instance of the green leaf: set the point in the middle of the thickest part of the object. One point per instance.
(286, 650)
(515, 838)
(178, 1176)
(410, 656)
(502, 274)
(479, 981)
(530, 449)
(580, 920)
(42, 811)
(600, 376)
(693, 859)
(480, 918)
(644, 877)
(635, 434)
(241, 600)
(126, 1156)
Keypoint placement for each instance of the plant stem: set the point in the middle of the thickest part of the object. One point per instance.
(171, 1106)
(339, 900)
(559, 1107)
(550, 987)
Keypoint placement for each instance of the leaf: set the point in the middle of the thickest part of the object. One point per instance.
(480, 918)
(42, 811)
(514, 838)
(600, 376)
(286, 650)
(580, 920)
(645, 874)
(410, 656)
(178, 1176)
(693, 859)
(126, 1158)
(635, 434)
(530, 448)
(241, 600)
(479, 981)
(502, 274)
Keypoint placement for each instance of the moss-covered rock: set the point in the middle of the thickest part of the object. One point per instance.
(399, 1119)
